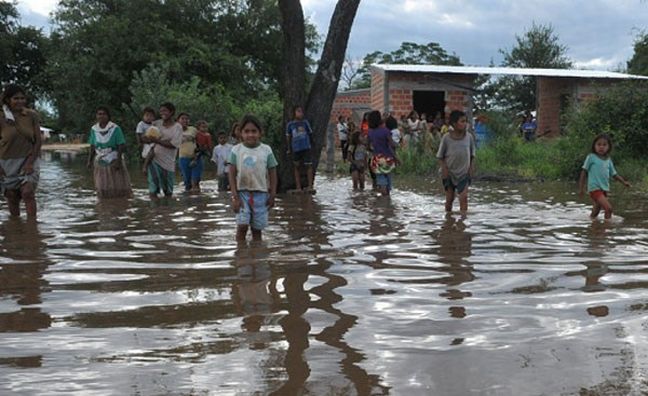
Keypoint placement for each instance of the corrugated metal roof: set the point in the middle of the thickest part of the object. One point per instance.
(507, 71)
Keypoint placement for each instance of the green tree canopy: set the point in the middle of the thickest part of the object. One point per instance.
(638, 64)
(154, 85)
(22, 50)
(410, 54)
(100, 46)
(538, 47)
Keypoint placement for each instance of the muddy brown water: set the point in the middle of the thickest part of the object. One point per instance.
(348, 294)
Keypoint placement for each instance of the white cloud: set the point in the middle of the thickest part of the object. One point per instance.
(42, 7)
(419, 6)
(600, 63)
(456, 20)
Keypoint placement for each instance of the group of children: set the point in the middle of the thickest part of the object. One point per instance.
(456, 156)
(191, 144)
(244, 165)
(247, 167)
(378, 157)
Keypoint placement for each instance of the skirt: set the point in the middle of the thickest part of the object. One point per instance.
(112, 183)
(382, 164)
(14, 178)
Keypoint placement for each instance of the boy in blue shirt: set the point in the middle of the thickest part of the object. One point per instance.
(299, 133)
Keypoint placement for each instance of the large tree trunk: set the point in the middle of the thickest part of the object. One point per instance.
(325, 83)
(327, 78)
(293, 78)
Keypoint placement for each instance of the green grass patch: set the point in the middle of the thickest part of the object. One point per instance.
(556, 159)
(514, 157)
(416, 161)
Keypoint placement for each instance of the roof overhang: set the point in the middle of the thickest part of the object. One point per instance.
(474, 70)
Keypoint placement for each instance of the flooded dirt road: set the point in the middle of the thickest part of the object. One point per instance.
(348, 294)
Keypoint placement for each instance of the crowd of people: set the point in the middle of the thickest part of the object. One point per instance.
(244, 165)
(410, 131)
(370, 148)
(406, 131)
(373, 147)
(248, 168)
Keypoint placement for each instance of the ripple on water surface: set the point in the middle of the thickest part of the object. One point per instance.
(349, 294)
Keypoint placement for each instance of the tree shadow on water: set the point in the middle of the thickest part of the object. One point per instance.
(313, 232)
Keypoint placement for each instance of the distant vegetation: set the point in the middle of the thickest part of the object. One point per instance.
(621, 112)
(220, 59)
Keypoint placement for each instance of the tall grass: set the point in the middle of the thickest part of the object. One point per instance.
(557, 159)
(508, 155)
(419, 158)
(512, 156)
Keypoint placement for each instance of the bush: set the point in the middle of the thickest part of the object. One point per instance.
(620, 111)
(501, 124)
(269, 110)
(415, 162)
(511, 156)
(152, 87)
(419, 158)
(201, 100)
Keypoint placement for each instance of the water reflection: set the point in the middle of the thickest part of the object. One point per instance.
(349, 294)
(254, 293)
(595, 267)
(313, 234)
(333, 335)
(23, 262)
(21, 275)
(455, 246)
(295, 329)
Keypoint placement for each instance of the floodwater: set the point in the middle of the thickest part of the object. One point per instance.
(348, 294)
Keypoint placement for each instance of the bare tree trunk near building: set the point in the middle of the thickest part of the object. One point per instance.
(350, 71)
(321, 94)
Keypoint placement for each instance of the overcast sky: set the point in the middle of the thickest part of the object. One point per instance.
(599, 34)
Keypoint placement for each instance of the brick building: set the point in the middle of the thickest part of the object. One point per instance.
(352, 103)
(430, 89)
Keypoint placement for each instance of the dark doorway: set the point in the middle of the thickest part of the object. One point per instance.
(429, 102)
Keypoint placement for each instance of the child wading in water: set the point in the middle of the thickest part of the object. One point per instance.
(148, 152)
(383, 160)
(221, 157)
(252, 163)
(203, 149)
(358, 160)
(456, 159)
(299, 135)
(597, 169)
